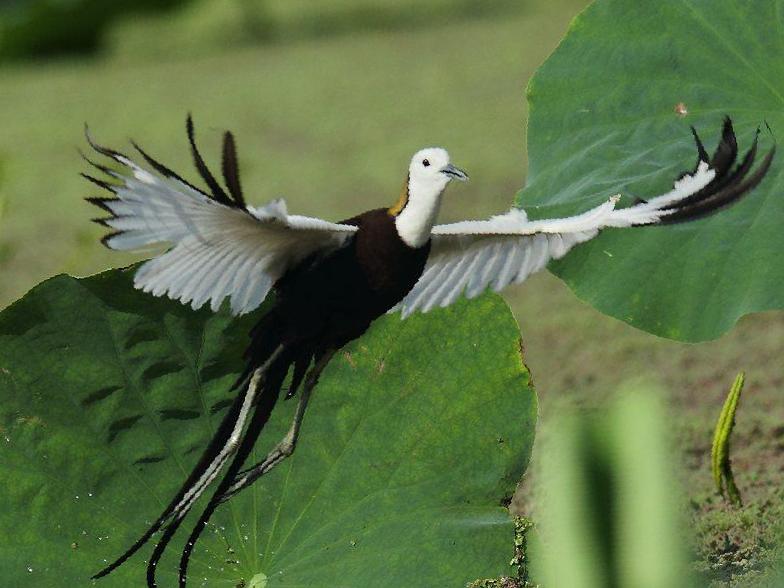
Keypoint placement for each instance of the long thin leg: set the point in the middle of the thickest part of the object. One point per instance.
(286, 446)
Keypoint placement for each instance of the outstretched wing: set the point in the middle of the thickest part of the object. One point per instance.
(469, 257)
(219, 246)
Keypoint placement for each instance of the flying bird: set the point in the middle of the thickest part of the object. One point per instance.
(333, 279)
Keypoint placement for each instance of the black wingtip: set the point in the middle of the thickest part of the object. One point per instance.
(99, 183)
(95, 164)
(111, 153)
(727, 149)
(762, 170)
(728, 185)
(91, 142)
(727, 130)
(104, 222)
(162, 169)
(106, 238)
(101, 203)
(217, 193)
(770, 130)
(189, 129)
(702, 154)
(771, 133)
(231, 172)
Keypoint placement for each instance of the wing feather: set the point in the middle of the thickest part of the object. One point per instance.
(471, 256)
(452, 276)
(525, 264)
(217, 246)
(511, 261)
(211, 266)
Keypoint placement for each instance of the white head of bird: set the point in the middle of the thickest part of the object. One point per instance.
(428, 175)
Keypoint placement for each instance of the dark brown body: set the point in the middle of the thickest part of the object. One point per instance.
(321, 304)
(334, 299)
(325, 302)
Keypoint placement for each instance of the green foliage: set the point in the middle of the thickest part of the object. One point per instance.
(41, 28)
(720, 449)
(2, 196)
(37, 28)
(603, 120)
(414, 438)
(738, 545)
(523, 528)
(4, 247)
(299, 18)
(608, 515)
(208, 26)
(608, 512)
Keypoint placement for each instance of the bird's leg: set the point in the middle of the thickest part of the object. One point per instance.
(286, 446)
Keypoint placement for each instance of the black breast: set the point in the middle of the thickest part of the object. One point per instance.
(332, 300)
(390, 266)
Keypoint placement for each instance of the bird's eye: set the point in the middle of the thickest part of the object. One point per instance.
(425, 162)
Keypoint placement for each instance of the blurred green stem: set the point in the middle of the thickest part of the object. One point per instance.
(720, 451)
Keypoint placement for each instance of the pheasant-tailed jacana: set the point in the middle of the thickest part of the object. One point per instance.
(332, 280)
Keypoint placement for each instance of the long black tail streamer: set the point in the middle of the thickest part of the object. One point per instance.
(260, 417)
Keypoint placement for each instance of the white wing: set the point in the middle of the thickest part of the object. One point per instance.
(219, 246)
(469, 257)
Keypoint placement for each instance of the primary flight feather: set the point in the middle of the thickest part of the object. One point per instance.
(332, 280)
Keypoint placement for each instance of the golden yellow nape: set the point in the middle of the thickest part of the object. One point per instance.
(398, 206)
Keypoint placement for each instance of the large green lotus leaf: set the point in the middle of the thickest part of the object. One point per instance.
(603, 121)
(414, 437)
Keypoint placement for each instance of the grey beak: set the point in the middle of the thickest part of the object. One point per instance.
(454, 173)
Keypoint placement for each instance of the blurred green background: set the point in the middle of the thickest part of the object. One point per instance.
(328, 101)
